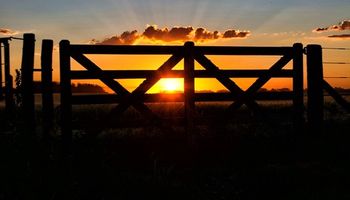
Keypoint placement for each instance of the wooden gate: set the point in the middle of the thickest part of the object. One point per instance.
(189, 53)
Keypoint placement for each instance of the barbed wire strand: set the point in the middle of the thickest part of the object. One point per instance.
(337, 48)
(336, 63)
(340, 77)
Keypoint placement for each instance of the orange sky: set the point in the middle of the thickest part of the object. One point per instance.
(152, 62)
(162, 36)
(207, 22)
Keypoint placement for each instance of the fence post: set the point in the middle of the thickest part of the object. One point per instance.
(189, 90)
(66, 107)
(27, 70)
(1, 91)
(66, 116)
(315, 86)
(298, 86)
(47, 86)
(9, 102)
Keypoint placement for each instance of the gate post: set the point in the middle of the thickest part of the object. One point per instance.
(298, 86)
(189, 90)
(27, 70)
(315, 86)
(47, 86)
(66, 157)
(66, 107)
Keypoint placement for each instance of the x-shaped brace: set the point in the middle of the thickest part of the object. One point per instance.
(128, 98)
(244, 96)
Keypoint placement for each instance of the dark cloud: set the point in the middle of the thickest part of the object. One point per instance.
(174, 34)
(320, 29)
(342, 26)
(125, 38)
(344, 36)
(202, 35)
(154, 33)
(235, 34)
(5, 31)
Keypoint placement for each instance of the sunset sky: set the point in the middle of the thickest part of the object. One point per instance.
(208, 22)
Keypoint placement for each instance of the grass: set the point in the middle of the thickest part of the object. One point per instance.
(238, 156)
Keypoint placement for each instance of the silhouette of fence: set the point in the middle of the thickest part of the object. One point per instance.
(27, 83)
(317, 85)
(6, 92)
(189, 53)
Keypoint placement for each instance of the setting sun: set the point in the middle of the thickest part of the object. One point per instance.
(171, 85)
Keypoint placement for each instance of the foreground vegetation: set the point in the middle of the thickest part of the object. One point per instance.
(238, 156)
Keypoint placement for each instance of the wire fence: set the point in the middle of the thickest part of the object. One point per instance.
(336, 62)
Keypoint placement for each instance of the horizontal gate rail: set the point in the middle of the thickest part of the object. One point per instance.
(164, 50)
(121, 49)
(178, 97)
(136, 74)
(246, 51)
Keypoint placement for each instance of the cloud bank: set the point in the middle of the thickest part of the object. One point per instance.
(174, 34)
(342, 26)
(344, 36)
(8, 32)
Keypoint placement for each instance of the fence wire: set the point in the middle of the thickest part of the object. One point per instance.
(337, 48)
(336, 62)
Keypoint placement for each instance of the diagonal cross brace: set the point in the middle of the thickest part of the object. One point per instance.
(110, 82)
(147, 84)
(260, 82)
(336, 96)
(225, 80)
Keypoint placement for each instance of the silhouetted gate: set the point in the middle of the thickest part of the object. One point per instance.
(189, 53)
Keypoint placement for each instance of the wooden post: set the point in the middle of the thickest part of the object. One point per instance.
(66, 95)
(47, 86)
(1, 91)
(315, 86)
(189, 91)
(47, 110)
(298, 86)
(9, 101)
(66, 157)
(27, 70)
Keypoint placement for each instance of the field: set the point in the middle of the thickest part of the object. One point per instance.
(241, 155)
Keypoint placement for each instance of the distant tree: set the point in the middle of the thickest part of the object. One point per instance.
(280, 90)
(204, 91)
(76, 88)
(222, 91)
(87, 88)
(18, 89)
(263, 90)
(342, 90)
